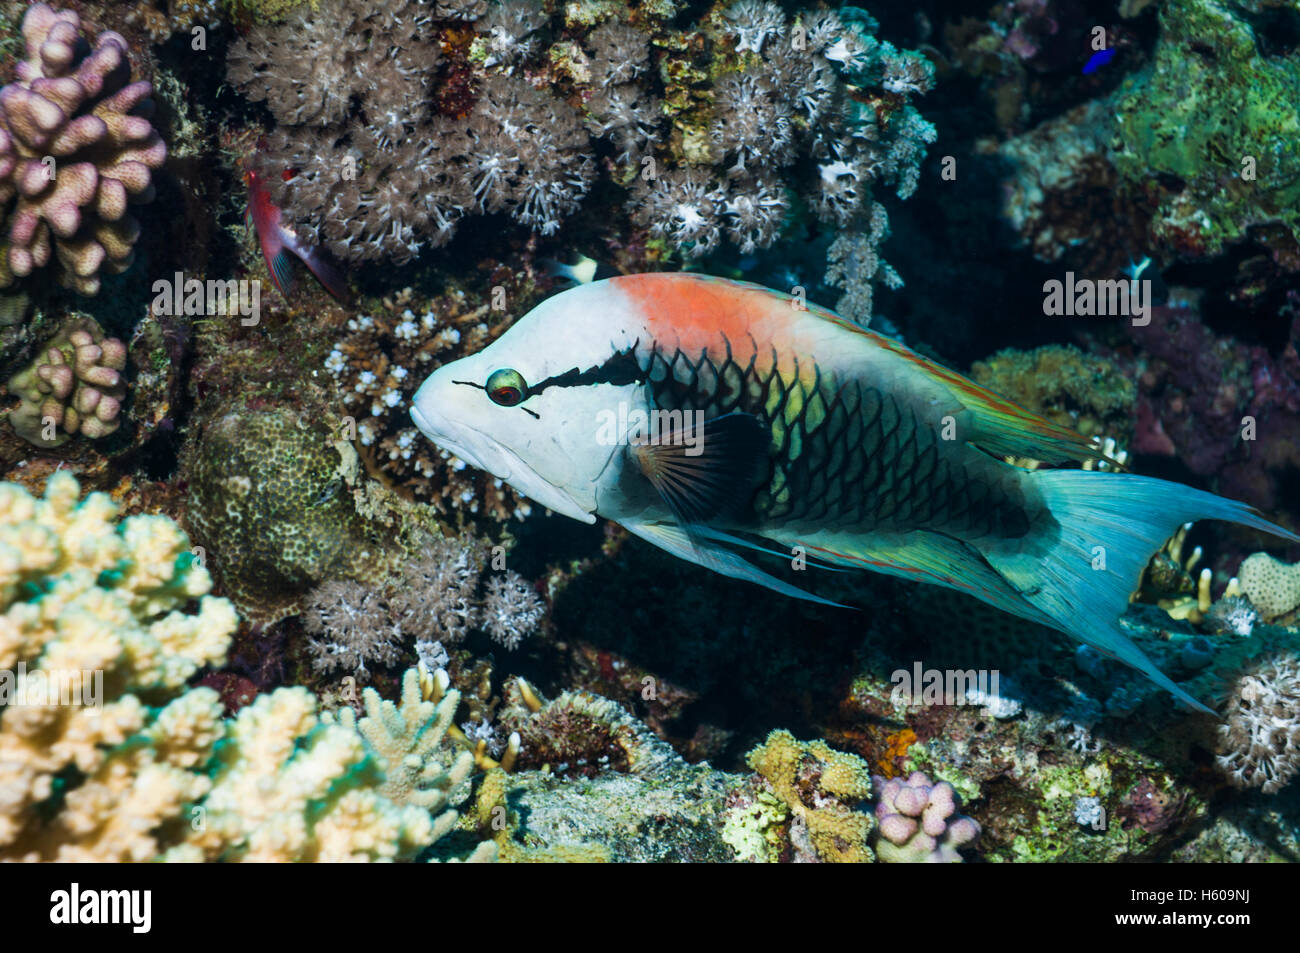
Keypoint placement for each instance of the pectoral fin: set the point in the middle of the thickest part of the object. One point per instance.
(705, 474)
(675, 540)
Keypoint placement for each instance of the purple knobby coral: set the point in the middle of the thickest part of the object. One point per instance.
(917, 821)
(75, 387)
(76, 149)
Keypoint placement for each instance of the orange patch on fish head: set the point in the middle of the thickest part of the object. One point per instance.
(695, 314)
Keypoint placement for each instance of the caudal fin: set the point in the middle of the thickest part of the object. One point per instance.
(1111, 526)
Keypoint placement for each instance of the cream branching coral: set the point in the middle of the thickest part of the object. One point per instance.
(408, 742)
(99, 607)
(76, 148)
(105, 757)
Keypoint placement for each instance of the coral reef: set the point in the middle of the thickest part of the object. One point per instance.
(105, 756)
(378, 363)
(1233, 412)
(75, 387)
(671, 814)
(580, 734)
(1260, 739)
(432, 597)
(380, 171)
(76, 149)
(1207, 122)
(270, 502)
(916, 821)
(1272, 585)
(96, 612)
(1185, 158)
(512, 610)
(1082, 391)
(806, 803)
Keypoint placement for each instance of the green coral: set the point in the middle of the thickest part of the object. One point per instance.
(271, 504)
(1087, 393)
(1211, 101)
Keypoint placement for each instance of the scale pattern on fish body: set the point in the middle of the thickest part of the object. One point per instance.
(843, 452)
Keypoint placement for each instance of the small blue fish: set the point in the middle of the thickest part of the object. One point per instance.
(1097, 61)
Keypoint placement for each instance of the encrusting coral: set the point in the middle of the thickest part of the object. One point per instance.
(917, 821)
(74, 387)
(104, 756)
(1272, 585)
(808, 804)
(76, 149)
(271, 505)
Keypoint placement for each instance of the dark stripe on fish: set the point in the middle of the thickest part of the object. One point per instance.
(622, 368)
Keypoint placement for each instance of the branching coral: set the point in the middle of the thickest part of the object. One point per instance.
(76, 148)
(918, 822)
(76, 386)
(407, 743)
(1260, 740)
(95, 622)
(100, 607)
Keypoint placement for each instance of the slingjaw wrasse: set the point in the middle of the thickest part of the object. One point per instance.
(710, 417)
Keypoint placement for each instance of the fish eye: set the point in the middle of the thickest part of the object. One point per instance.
(506, 387)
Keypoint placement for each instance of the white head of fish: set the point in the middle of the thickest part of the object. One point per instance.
(550, 445)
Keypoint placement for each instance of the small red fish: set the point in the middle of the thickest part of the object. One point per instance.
(278, 241)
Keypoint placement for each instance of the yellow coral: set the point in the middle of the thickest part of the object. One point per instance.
(90, 602)
(1272, 585)
(96, 608)
(822, 789)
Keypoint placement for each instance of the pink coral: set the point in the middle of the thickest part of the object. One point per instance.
(918, 821)
(76, 148)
